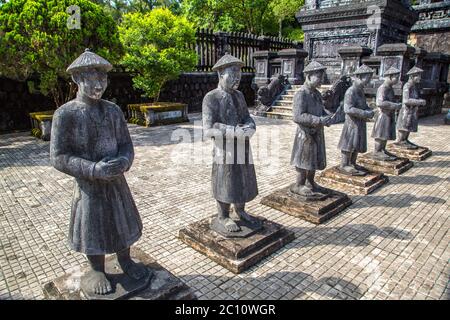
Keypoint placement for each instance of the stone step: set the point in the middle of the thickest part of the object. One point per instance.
(278, 115)
(283, 103)
(284, 110)
(286, 97)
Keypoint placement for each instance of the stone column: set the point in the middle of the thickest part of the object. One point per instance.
(262, 72)
(351, 58)
(292, 64)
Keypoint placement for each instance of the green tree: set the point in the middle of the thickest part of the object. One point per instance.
(117, 8)
(231, 15)
(156, 48)
(285, 10)
(35, 40)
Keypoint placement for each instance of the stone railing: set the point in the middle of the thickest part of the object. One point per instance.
(211, 46)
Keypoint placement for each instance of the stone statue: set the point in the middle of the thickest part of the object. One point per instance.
(407, 120)
(267, 94)
(353, 137)
(310, 115)
(227, 121)
(384, 127)
(90, 141)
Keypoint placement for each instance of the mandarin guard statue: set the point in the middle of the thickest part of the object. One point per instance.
(310, 115)
(384, 127)
(90, 141)
(407, 120)
(227, 121)
(353, 138)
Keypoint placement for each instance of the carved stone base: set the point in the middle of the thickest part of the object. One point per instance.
(160, 284)
(235, 254)
(395, 167)
(313, 211)
(412, 154)
(336, 180)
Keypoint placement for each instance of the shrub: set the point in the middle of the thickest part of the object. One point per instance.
(35, 40)
(156, 48)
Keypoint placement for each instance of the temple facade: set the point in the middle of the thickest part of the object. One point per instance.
(331, 24)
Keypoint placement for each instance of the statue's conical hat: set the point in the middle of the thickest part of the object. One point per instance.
(314, 66)
(226, 61)
(89, 60)
(414, 70)
(364, 69)
(391, 71)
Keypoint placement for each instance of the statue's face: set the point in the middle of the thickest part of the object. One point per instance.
(230, 77)
(91, 83)
(416, 77)
(365, 78)
(315, 79)
(393, 79)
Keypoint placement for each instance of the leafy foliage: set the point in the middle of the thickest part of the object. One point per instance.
(156, 48)
(254, 16)
(35, 40)
(117, 8)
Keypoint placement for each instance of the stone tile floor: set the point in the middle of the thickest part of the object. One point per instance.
(391, 244)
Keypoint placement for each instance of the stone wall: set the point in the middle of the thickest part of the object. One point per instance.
(16, 102)
(190, 88)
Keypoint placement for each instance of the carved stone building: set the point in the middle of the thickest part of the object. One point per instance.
(432, 31)
(331, 24)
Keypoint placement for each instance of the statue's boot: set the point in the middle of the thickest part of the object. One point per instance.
(404, 144)
(307, 192)
(318, 189)
(352, 171)
(380, 155)
(411, 145)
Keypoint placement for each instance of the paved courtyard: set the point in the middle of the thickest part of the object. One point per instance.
(391, 244)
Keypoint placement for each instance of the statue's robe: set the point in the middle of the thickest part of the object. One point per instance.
(309, 143)
(384, 127)
(233, 172)
(353, 135)
(104, 217)
(407, 117)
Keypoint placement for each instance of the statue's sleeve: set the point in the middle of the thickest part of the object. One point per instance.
(381, 101)
(125, 145)
(350, 107)
(247, 119)
(212, 128)
(410, 102)
(300, 115)
(61, 156)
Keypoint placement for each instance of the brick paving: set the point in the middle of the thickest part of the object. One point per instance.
(391, 244)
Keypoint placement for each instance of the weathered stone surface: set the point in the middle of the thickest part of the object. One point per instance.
(395, 167)
(334, 179)
(313, 211)
(235, 254)
(412, 154)
(160, 284)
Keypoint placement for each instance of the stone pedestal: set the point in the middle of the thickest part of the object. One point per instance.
(351, 58)
(394, 168)
(412, 154)
(236, 254)
(159, 285)
(361, 185)
(292, 64)
(262, 67)
(313, 211)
